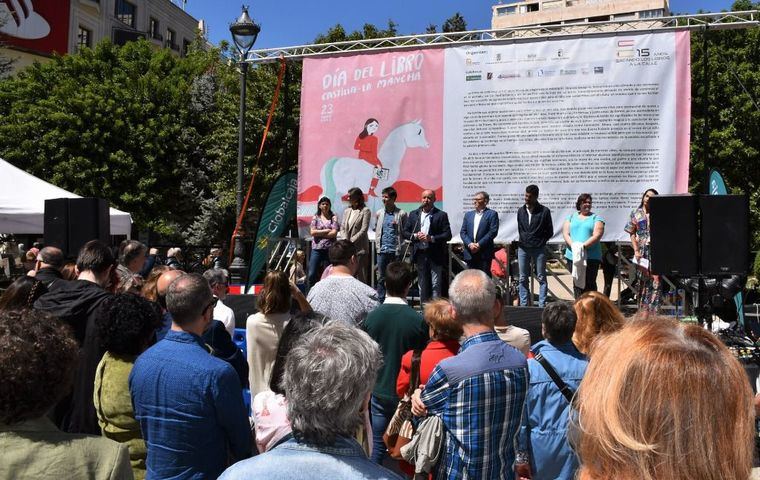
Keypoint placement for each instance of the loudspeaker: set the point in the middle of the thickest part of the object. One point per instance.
(725, 234)
(528, 318)
(243, 306)
(72, 222)
(673, 235)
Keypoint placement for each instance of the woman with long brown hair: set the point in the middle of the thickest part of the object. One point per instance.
(264, 329)
(664, 400)
(596, 316)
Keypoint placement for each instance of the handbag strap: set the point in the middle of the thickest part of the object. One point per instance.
(414, 379)
(563, 387)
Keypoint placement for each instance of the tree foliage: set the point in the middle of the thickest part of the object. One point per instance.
(153, 133)
(455, 23)
(732, 111)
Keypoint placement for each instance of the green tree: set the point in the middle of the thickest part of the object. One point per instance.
(121, 123)
(732, 111)
(431, 28)
(455, 23)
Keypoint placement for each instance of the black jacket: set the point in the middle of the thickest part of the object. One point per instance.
(48, 276)
(78, 303)
(539, 231)
(218, 338)
(440, 230)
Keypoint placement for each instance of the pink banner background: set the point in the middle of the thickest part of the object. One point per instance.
(394, 88)
(683, 109)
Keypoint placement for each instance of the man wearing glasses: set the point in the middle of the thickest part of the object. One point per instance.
(188, 402)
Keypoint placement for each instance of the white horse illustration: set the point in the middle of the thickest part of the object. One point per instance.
(21, 21)
(342, 173)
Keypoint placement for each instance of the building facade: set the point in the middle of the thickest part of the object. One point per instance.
(559, 12)
(33, 30)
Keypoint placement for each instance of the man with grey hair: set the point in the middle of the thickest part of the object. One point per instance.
(188, 402)
(49, 266)
(218, 280)
(479, 394)
(478, 232)
(328, 379)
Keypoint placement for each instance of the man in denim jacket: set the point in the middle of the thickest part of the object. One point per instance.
(328, 379)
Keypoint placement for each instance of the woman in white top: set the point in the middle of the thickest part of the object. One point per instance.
(264, 329)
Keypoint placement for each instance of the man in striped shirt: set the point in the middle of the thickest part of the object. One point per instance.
(479, 394)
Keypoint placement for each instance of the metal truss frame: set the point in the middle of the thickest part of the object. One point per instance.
(703, 21)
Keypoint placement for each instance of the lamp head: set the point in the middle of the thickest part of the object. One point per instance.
(244, 32)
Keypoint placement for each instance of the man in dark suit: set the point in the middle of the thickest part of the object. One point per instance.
(428, 229)
(479, 229)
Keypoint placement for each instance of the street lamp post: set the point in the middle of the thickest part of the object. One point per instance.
(244, 32)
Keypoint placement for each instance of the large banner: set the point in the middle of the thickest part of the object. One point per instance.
(605, 115)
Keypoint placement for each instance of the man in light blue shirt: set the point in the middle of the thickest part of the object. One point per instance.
(389, 224)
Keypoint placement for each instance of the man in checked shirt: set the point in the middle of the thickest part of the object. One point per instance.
(479, 394)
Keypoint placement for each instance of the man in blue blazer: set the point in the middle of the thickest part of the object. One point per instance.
(428, 229)
(479, 229)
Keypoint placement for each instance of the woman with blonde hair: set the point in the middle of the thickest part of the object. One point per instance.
(264, 329)
(596, 316)
(664, 400)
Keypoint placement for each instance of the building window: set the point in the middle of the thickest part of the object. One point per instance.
(511, 10)
(185, 47)
(171, 39)
(571, 3)
(651, 13)
(532, 7)
(126, 12)
(600, 18)
(154, 30)
(84, 38)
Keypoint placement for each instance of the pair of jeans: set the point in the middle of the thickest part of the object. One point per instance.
(381, 411)
(317, 261)
(524, 257)
(592, 269)
(383, 259)
(429, 276)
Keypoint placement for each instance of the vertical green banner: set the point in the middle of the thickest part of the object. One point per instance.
(279, 210)
(718, 187)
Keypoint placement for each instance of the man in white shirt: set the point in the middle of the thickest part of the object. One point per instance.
(218, 280)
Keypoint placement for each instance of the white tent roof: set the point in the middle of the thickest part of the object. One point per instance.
(22, 203)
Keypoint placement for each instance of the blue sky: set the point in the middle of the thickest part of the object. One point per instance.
(298, 22)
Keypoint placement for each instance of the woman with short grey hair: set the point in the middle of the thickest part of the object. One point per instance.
(328, 378)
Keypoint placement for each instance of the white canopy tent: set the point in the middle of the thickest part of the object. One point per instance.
(22, 203)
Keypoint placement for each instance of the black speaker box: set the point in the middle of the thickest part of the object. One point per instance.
(725, 234)
(528, 318)
(243, 306)
(673, 235)
(72, 222)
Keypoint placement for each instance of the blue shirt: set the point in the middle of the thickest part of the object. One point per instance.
(292, 460)
(479, 395)
(389, 238)
(544, 430)
(190, 408)
(581, 229)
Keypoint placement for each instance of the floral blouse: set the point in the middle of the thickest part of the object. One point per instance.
(318, 223)
(639, 225)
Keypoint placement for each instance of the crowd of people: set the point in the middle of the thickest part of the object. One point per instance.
(105, 380)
